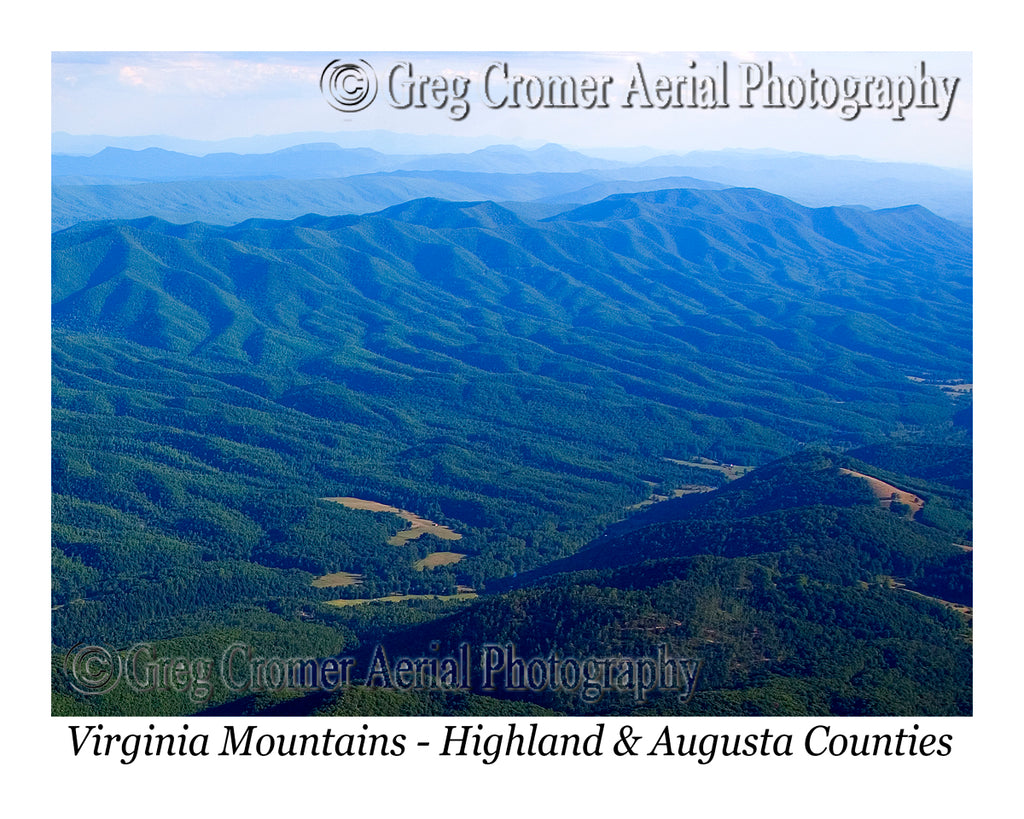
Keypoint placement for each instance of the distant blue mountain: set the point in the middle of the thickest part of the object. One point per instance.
(315, 161)
(820, 180)
(510, 159)
(229, 201)
(388, 142)
(223, 188)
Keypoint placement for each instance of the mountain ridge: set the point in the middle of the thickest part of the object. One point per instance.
(83, 185)
(525, 382)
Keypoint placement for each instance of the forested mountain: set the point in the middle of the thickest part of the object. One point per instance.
(229, 201)
(225, 188)
(795, 589)
(793, 585)
(819, 180)
(522, 381)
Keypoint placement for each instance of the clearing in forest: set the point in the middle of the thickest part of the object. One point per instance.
(887, 493)
(953, 388)
(337, 579)
(398, 598)
(437, 559)
(899, 585)
(731, 471)
(418, 525)
(688, 489)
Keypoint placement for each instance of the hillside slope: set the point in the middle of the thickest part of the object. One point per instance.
(520, 381)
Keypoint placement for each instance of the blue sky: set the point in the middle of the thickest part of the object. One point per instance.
(220, 95)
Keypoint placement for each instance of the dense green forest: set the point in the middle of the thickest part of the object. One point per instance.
(796, 589)
(524, 382)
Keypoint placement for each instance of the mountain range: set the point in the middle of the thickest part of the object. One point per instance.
(223, 188)
(655, 410)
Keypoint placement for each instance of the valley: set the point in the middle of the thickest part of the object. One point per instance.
(730, 471)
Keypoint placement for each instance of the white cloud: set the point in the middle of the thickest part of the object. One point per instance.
(132, 75)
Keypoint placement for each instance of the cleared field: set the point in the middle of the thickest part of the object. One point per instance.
(953, 388)
(422, 527)
(731, 471)
(437, 559)
(338, 579)
(692, 489)
(653, 499)
(418, 525)
(398, 598)
(687, 489)
(887, 493)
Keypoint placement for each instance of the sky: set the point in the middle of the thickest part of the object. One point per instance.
(222, 95)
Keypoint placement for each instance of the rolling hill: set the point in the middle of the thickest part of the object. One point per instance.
(791, 585)
(522, 381)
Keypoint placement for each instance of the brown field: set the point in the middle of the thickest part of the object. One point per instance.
(398, 598)
(437, 559)
(885, 491)
(731, 471)
(338, 579)
(418, 525)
